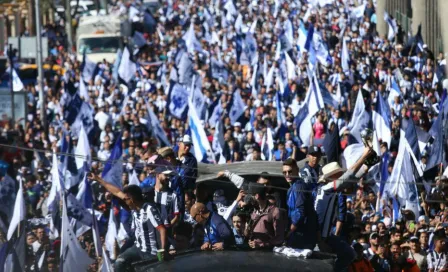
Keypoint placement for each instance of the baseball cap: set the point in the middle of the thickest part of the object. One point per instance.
(413, 238)
(374, 235)
(164, 169)
(186, 139)
(314, 150)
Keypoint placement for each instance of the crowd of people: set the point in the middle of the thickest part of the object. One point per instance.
(268, 81)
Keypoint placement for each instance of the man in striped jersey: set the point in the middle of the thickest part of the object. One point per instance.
(145, 221)
(333, 181)
(165, 198)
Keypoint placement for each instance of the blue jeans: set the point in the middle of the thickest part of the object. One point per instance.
(345, 254)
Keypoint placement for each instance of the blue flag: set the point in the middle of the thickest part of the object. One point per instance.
(384, 174)
(309, 37)
(412, 137)
(237, 108)
(113, 169)
(381, 119)
(149, 23)
(138, 39)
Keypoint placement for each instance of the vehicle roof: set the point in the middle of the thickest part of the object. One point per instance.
(236, 260)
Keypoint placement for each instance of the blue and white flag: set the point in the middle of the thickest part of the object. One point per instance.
(314, 103)
(19, 212)
(219, 142)
(269, 80)
(73, 257)
(202, 148)
(139, 39)
(149, 23)
(155, 128)
(216, 115)
(198, 99)
(77, 210)
(291, 67)
(358, 12)
(178, 98)
(309, 38)
(116, 65)
(106, 266)
(394, 91)
(127, 67)
(88, 68)
(345, 59)
(56, 186)
(83, 92)
(84, 119)
(191, 41)
(381, 119)
(267, 144)
(393, 28)
(360, 118)
(113, 169)
(185, 69)
(238, 107)
(303, 34)
(16, 82)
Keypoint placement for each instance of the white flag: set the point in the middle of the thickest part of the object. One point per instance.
(127, 68)
(82, 150)
(345, 57)
(17, 83)
(111, 235)
(290, 67)
(133, 180)
(106, 266)
(19, 212)
(202, 148)
(73, 257)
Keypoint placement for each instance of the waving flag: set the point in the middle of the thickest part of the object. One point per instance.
(237, 108)
(267, 144)
(216, 114)
(381, 119)
(394, 92)
(412, 137)
(73, 257)
(149, 22)
(201, 145)
(290, 67)
(127, 67)
(185, 69)
(156, 129)
(82, 150)
(178, 100)
(88, 68)
(113, 169)
(360, 118)
(219, 142)
(191, 41)
(269, 80)
(19, 212)
(111, 235)
(345, 57)
(7, 196)
(393, 28)
(314, 103)
(138, 39)
(17, 83)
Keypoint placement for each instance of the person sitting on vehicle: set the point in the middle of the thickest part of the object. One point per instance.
(266, 228)
(238, 228)
(146, 220)
(218, 234)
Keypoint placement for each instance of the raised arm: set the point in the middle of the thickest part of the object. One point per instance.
(238, 181)
(108, 186)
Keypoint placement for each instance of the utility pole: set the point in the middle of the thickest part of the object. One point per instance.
(40, 70)
(68, 25)
(11, 80)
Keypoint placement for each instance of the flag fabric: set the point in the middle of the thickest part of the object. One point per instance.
(332, 145)
(117, 64)
(198, 99)
(267, 144)
(138, 39)
(127, 68)
(156, 129)
(216, 114)
(381, 119)
(360, 118)
(7, 196)
(393, 28)
(73, 257)
(412, 137)
(219, 142)
(394, 92)
(358, 12)
(191, 42)
(76, 210)
(88, 68)
(345, 57)
(111, 235)
(201, 145)
(19, 212)
(238, 107)
(133, 180)
(269, 80)
(178, 100)
(314, 103)
(149, 23)
(3, 256)
(17, 84)
(106, 266)
(84, 118)
(185, 70)
(384, 173)
(113, 169)
(82, 150)
(83, 92)
(290, 67)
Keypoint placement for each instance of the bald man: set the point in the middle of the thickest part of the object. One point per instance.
(218, 234)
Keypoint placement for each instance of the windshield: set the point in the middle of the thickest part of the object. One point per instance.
(99, 45)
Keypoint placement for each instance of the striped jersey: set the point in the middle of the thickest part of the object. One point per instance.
(326, 209)
(166, 203)
(144, 224)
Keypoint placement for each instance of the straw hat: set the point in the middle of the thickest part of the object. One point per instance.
(329, 170)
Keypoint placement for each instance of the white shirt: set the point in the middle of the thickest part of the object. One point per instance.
(103, 119)
(436, 261)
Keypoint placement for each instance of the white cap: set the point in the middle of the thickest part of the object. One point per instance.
(186, 139)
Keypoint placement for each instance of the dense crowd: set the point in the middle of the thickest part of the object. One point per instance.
(226, 82)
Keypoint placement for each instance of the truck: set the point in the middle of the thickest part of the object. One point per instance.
(100, 37)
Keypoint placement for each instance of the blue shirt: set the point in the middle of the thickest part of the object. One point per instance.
(190, 171)
(217, 230)
(149, 181)
(301, 211)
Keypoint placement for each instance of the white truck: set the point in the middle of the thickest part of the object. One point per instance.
(100, 36)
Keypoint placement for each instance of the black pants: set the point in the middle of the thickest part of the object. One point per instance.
(131, 255)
